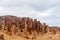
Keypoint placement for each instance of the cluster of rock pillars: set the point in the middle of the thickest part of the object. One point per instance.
(16, 25)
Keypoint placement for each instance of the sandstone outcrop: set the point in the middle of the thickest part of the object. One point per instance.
(1, 37)
(13, 25)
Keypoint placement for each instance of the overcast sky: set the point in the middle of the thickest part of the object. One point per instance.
(44, 10)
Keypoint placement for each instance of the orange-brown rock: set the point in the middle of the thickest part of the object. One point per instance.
(1, 37)
(2, 22)
(35, 24)
(29, 24)
(38, 27)
(25, 25)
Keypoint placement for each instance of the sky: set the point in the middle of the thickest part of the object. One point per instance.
(47, 11)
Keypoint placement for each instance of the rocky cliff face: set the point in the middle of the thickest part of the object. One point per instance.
(24, 26)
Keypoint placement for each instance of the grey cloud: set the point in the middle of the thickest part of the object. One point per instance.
(39, 5)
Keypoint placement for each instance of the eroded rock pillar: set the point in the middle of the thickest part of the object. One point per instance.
(30, 25)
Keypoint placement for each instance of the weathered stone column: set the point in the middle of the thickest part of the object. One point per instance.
(13, 29)
(29, 24)
(35, 24)
(2, 23)
(18, 22)
(7, 24)
(44, 28)
(38, 26)
(1, 37)
(23, 24)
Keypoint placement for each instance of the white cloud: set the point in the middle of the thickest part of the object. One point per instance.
(22, 1)
(2, 8)
(31, 2)
(26, 11)
(45, 13)
(6, 1)
(18, 11)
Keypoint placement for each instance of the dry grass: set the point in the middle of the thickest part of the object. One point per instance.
(38, 37)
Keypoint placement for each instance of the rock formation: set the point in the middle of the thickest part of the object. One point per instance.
(13, 25)
(1, 37)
